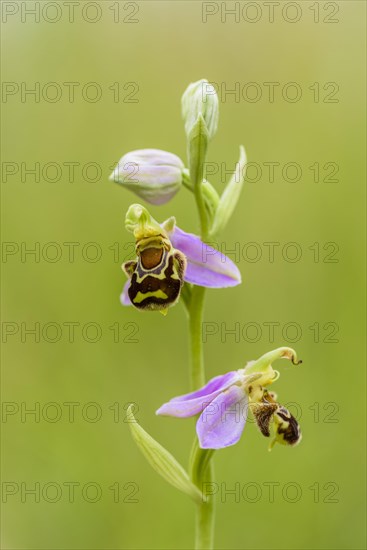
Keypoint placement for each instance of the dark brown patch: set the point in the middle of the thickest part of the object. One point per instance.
(180, 260)
(148, 282)
(151, 257)
(129, 267)
(263, 413)
(171, 288)
(290, 429)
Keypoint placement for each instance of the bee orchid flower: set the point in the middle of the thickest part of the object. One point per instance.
(224, 402)
(166, 257)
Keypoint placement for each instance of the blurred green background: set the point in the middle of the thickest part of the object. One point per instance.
(318, 487)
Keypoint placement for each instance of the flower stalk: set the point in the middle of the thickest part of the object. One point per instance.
(196, 314)
(205, 515)
(202, 471)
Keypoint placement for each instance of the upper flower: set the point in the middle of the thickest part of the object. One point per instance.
(152, 174)
(225, 400)
(166, 257)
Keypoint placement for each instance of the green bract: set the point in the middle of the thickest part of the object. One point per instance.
(161, 460)
(229, 198)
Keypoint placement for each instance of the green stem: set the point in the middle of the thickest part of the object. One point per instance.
(201, 468)
(197, 147)
(199, 461)
(196, 341)
(186, 180)
(204, 537)
(202, 211)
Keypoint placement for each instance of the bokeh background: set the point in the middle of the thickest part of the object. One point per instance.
(318, 487)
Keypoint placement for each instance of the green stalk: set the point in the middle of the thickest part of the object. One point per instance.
(196, 311)
(204, 537)
(201, 469)
(202, 212)
(197, 147)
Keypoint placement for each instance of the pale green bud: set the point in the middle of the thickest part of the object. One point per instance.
(200, 98)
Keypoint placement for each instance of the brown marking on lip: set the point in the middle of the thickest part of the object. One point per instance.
(263, 413)
(151, 257)
(289, 429)
(170, 286)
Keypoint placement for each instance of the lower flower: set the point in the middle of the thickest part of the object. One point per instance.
(225, 400)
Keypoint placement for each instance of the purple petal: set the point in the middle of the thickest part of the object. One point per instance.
(222, 421)
(194, 402)
(124, 297)
(218, 383)
(206, 266)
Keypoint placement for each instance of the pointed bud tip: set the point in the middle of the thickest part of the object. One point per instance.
(130, 415)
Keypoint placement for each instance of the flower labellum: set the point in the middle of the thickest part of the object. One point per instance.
(166, 258)
(156, 277)
(224, 402)
(152, 174)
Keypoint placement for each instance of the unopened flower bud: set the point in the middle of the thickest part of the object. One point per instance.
(200, 98)
(152, 174)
